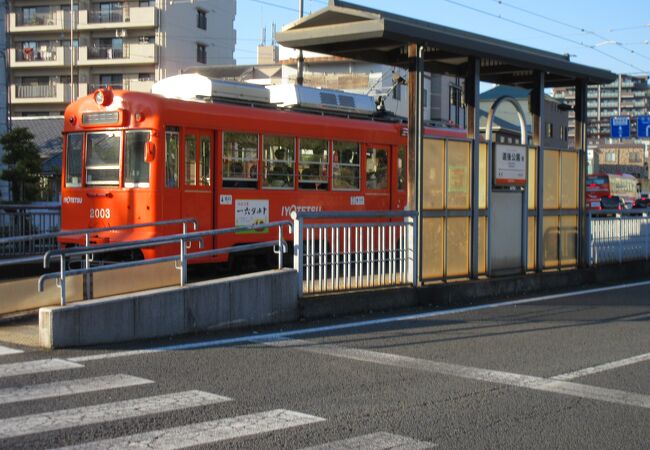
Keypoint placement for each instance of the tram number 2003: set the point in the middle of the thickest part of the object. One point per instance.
(100, 213)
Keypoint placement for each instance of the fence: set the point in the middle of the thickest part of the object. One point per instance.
(374, 249)
(22, 220)
(618, 237)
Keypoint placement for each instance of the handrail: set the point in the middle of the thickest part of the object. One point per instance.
(350, 214)
(98, 230)
(182, 257)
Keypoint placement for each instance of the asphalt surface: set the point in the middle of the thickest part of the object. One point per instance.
(568, 372)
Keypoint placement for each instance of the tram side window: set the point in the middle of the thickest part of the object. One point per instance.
(73, 160)
(136, 169)
(313, 160)
(345, 165)
(103, 158)
(204, 162)
(171, 159)
(240, 152)
(401, 168)
(376, 169)
(190, 160)
(278, 161)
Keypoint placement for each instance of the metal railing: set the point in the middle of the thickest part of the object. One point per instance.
(86, 233)
(36, 91)
(106, 16)
(19, 221)
(370, 250)
(619, 236)
(184, 241)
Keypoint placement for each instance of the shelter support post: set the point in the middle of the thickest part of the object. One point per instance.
(415, 79)
(472, 101)
(537, 111)
(581, 148)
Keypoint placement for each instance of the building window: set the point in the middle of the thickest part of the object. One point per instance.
(201, 53)
(635, 157)
(549, 130)
(146, 76)
(145, 3)
(455, 108)
(147, 39)
(610, 157)
(201, 19)
(397, 92)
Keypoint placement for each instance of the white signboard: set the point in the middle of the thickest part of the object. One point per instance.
(251, 212)
(509, 165)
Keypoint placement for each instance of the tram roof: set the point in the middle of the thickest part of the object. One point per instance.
(348, 30)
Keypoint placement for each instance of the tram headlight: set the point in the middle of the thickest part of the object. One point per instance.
(103, 96)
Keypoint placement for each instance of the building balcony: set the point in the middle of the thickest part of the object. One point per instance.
(139, 86)
(135, 53)
(30, 94)
(27, 58)
(138, 17)
(52, 21)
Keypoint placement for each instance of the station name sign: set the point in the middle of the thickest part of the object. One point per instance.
(509, 165)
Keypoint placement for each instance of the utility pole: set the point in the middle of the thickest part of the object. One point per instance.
(72, 96)
(301, 59)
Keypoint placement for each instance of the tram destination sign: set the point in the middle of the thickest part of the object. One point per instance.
(509, 165)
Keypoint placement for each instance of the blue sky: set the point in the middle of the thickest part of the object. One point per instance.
(605, 34)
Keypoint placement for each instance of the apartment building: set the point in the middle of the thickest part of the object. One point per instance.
(627, 96)
(59, 50)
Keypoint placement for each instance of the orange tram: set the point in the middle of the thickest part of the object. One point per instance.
(226, 154)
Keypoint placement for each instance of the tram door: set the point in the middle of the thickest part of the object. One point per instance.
(377, 177)
(398, 178)
(197, 180)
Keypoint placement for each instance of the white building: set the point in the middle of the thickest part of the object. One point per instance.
(4, 116)
(124, 44)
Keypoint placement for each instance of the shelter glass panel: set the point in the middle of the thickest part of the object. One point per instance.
(458, 175)
(433, 174)
(532, 178)
(482, 244)
(483, 177)
(345, 166)
(569, 198)
(313, 163)
(433, 247)
(551, 224)
(278, 161)
(568, 240)
(532, 243)
(240, 155)
(551, 179)
(73, 160)
(458, 246)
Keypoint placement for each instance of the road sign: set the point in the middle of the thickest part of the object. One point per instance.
(643, 126)
(620, 127)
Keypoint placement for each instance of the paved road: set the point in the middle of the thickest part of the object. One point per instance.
(560, 372)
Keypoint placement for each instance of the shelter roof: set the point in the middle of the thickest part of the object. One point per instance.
(348, 30)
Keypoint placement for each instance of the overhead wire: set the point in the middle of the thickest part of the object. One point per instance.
(514, 22)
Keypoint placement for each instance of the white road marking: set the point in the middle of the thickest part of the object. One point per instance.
(472, 373)
(8, 351)
(206, 432)
(68, 387)
(106, 412)
(375, 441)
(603, 367)
(38, 366)
(347, 326)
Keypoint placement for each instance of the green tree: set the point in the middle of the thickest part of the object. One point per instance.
(23, 163)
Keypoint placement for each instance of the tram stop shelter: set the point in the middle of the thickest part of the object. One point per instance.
(474, 220)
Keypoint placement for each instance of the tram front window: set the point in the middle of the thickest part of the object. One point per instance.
(103, 158)
(136, 169)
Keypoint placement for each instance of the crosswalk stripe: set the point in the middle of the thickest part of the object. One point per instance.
(68, 387)
(106, 412)
(8, 351)
(375, 441)
(206, 432)
(38, 366)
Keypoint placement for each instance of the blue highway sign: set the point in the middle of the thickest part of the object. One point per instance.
(643, 126)
(620, 126)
